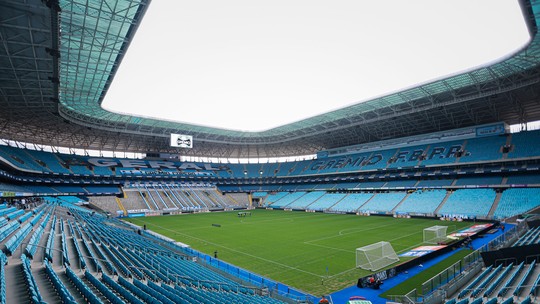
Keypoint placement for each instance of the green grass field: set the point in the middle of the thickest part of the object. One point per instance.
(295, 248)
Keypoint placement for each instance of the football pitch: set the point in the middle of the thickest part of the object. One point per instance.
(312, 252)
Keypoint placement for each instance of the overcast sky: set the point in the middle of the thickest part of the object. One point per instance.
(256, 64)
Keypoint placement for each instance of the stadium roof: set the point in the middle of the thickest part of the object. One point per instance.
(58, 59)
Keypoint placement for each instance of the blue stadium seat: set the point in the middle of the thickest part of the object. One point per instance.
(469, 203)
(35, 296)
(422, 201)
(287, 199)
(480, 287)
(9, 229)
(61, 289)
(3, 262)
(130, 297)
(13, 243)
(111, 296)
(509, 282)
(531, 179)
(522, 147)
(139, 293)
(483, 149)
(326, 201)
(160, 296)
(470, 287)
(306, 200)
(528, 272)
(84, 290)
(479, 180)
(383, 202)
(517, 201)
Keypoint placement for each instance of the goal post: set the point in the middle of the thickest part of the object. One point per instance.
(435, 234)
(375, 256)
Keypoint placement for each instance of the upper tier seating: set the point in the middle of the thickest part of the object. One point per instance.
(13, 188)
(19, 158)
(524, 179)
(479, 180)
(268, 169)
(300, 167)
(522, 144)
(483, 148)
(435, 183)
(442, 153)
(386, 155)
(407, 183)
(105, 171)
(42, 189)
(408, 157)
(52, 163)
(371, 185)
(81, 170)
(102, 189)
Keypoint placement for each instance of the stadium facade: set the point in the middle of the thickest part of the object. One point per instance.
(440, 150)
(61, 58)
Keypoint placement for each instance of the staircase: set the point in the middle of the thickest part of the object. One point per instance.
(16, 284)
(495, 205)
(121, 206)
(400, 202)
(448, 193)
(367, 201)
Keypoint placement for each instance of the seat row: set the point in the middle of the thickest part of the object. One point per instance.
(32, 247)
(3, 262)
(13, 243)
(33, 290)
(484, 285)
(9, 229)
(147, 272)
(49, 248)
(84, 290)
(532, 236)
(61, 289)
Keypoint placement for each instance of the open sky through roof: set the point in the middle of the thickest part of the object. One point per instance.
(254, 65)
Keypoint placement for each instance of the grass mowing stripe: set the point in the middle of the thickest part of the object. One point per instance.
(295, 248)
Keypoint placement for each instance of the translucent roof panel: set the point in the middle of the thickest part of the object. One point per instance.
(233, 67)
(95, 36)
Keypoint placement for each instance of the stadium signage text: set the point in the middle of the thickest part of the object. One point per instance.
(402, 156)
(344, 162)
(155, 164)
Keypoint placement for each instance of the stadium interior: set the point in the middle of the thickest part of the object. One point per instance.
(443, 150)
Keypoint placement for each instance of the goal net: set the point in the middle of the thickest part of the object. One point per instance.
(375, 256)
(435, 234)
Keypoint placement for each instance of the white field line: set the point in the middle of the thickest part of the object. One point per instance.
(241, 252)
(354, 230)
(340, 233)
